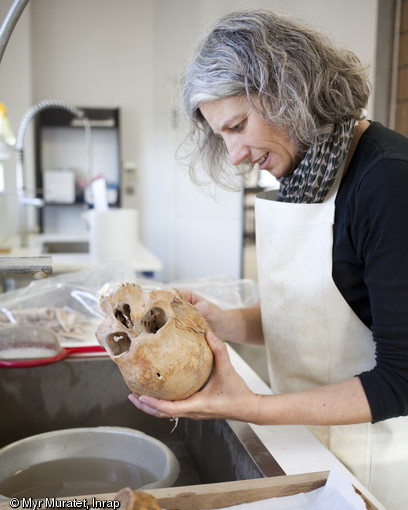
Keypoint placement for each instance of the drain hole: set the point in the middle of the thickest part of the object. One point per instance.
(154, 319)
(122, 314)
(118, 343)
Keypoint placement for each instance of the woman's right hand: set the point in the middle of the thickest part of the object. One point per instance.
(215, 316)
(226, 395)
(240, 325)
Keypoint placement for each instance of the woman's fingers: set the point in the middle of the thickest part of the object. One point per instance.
(224, 396)
(191, 296)
(216, 345)
(143, 405)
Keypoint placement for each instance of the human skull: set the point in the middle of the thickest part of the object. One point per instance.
(157, 339)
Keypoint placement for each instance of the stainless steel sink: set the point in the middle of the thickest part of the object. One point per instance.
(50, 247)
(91, 392)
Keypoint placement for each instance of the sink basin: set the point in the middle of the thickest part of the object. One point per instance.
(85, 460)
(65, 247)
(90, 392)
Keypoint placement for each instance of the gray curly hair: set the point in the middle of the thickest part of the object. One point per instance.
(302, 82)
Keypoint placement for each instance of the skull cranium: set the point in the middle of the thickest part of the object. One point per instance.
(157, 339)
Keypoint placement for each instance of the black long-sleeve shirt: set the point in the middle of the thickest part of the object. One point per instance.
(370, 260)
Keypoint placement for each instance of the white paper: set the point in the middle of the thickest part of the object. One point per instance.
(99, 194)
(113, 235)
(337, 494)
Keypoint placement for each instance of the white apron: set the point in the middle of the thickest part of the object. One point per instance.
(314, 338)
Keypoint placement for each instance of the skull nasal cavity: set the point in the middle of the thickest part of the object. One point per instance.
(154, 319)
(122, 314)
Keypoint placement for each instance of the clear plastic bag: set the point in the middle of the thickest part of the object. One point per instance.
(223, 290)
(68, 304)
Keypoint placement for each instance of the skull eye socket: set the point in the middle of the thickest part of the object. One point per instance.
(118, 343)
(154, 319)
(122, 314)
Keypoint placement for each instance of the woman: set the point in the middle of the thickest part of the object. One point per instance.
(332, 249)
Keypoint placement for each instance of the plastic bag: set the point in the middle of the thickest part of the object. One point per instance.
(223, 290)
(66, 304)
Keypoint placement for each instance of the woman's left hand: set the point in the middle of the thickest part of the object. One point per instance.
(225, 396)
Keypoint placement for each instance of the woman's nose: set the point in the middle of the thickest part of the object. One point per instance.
(237, 151)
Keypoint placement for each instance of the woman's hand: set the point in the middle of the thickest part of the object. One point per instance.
(225, 396)
(216, 317)
(240, 325)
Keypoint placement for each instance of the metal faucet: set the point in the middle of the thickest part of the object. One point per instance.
(38, 267)
(24, 200)
(10, 22)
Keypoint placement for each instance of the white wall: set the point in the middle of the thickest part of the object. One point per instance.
(129, 53)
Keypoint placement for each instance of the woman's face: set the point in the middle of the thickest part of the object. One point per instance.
(249, 137)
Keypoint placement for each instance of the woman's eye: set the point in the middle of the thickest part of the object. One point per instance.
(238, 127)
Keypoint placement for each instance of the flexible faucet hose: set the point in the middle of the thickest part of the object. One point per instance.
(25, 121)
(43, 105)
(9, 23)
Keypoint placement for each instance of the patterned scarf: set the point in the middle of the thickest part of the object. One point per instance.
(312, 179)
